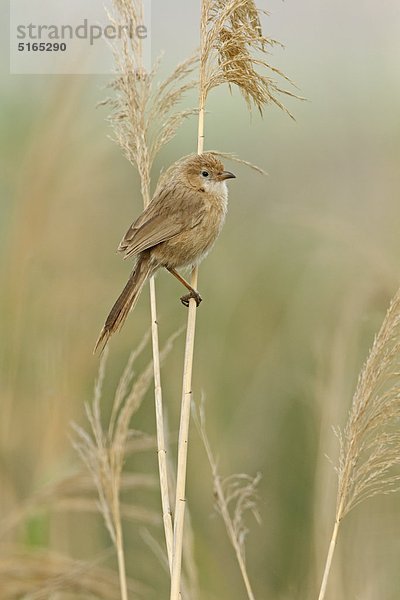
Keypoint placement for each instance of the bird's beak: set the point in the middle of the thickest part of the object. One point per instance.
(227, 175)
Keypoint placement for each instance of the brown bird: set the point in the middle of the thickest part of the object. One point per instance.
(177, 229)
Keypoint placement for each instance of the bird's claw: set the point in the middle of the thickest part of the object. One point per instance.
(193, 294)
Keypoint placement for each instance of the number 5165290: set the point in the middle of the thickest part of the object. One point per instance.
(42, 46)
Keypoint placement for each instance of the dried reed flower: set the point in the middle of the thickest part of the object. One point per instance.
(235, 496)
(104, 451)
(233, 50)
(370, 442)
(144, 114)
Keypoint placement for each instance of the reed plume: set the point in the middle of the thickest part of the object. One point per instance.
(234, 49)
(370, 441)
(235, 496)
(104, 450)
(144, 114)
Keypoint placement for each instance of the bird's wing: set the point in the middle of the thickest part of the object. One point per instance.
(159, 222)
(154, 231)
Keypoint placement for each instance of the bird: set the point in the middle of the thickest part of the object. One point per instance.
(177, 229)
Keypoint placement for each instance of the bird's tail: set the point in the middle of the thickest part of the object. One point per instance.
(144, 268)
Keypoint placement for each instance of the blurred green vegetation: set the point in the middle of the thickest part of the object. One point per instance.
(293, 293)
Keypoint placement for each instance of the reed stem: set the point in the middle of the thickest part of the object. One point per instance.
(161, 448)
(329, 558)
(120, 550)
(332, 545)
(158, 401)
(180, 499)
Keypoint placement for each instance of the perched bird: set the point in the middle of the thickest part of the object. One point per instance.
(177, 229)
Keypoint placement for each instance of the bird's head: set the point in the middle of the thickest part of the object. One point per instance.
(205, 172)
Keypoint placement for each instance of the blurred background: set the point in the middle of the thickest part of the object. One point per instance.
(294, 292)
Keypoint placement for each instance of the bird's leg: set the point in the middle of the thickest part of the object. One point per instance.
(192, 292)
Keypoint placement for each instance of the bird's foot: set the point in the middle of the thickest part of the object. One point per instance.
(193, 294)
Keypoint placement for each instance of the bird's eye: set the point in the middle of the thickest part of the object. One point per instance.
(205, 173)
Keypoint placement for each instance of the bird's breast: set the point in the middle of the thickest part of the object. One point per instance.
(207, 216)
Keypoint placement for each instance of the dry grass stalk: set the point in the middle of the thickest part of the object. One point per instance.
(104, 451)
(235, 496)
(370, 442)
(231, 41)
(189, 581)
(145, 118)
(234, 158)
